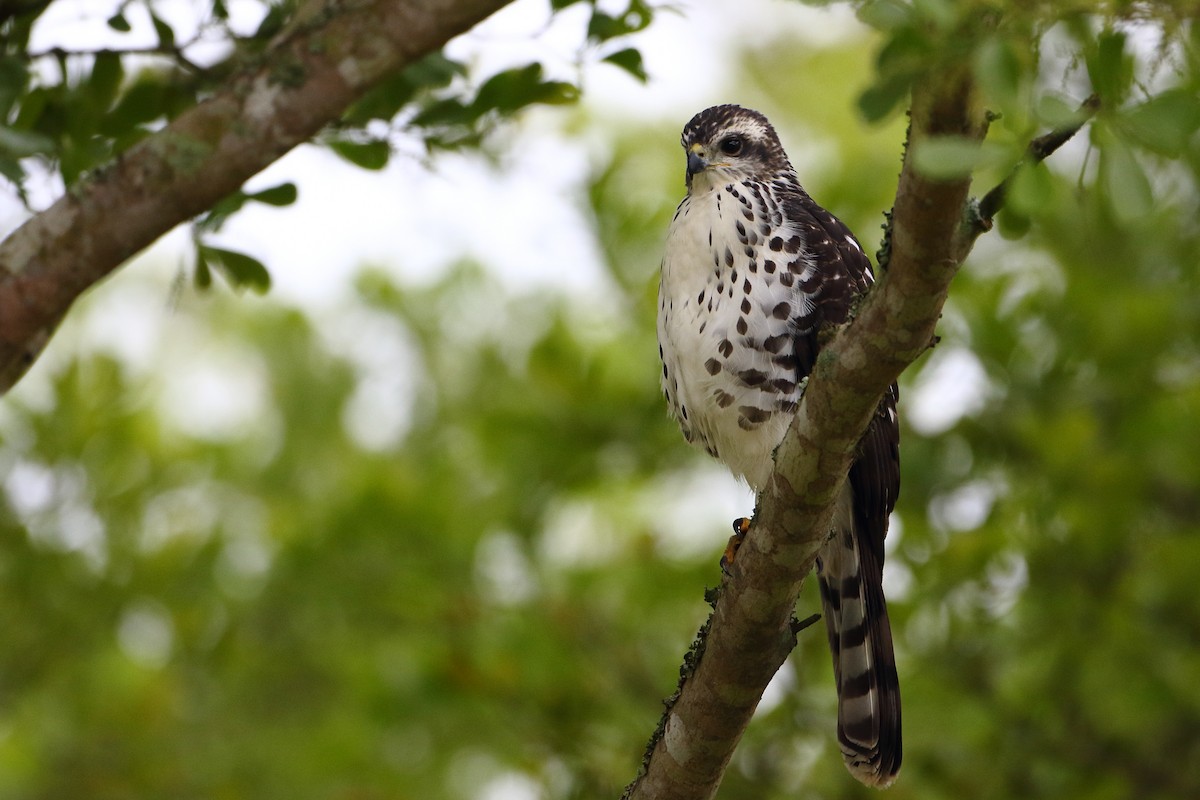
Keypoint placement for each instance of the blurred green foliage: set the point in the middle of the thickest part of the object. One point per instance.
(318, 598)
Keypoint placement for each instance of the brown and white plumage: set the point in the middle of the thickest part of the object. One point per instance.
(753, 271)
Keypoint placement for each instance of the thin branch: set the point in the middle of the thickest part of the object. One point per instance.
(172, 52)
(332, 55)
(1037, 152)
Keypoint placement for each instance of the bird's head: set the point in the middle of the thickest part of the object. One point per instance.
(729, 143)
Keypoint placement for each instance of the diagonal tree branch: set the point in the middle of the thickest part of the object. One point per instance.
(751, 630)
(337, 50)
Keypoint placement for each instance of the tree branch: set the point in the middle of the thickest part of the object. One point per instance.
(750, 632)
(1038, 151)
(304, 80)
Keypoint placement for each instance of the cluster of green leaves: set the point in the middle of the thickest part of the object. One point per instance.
(435, 98)
(1149, 105)
(72, 111)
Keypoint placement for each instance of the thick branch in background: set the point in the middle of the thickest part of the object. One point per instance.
(751, 631)
(306, 79)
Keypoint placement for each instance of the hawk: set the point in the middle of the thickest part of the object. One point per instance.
(753, 271)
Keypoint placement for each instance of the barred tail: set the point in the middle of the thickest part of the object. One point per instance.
(864, 665)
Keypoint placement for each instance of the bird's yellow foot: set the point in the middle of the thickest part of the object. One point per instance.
(740, 526)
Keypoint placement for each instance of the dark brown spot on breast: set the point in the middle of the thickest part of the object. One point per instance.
(742, 327)
(776, 244)
(724, 399)
(774, 344)
(746, 283)
(745, 305)
(786, 361)
(713, 366)
(784, 385)
(754, 414)
(782, 311)
(725, 347)
(700, 297)
(728, 257)
(769, 266)
(794, 244)
(787, 279)
(752, 377)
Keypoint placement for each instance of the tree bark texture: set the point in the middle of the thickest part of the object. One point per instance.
(751, 630)
(329, 57)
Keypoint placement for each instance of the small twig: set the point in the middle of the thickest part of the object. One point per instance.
(1039, 149)
(175, 53)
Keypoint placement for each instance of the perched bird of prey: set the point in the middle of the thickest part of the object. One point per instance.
(754, 270)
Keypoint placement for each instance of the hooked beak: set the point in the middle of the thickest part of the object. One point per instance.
(696, 163)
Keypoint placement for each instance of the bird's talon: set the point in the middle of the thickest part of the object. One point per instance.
(740, 526)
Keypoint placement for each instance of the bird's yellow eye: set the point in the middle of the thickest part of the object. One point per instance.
(731, 145)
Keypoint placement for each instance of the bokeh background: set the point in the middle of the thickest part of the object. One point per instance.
(415, 523)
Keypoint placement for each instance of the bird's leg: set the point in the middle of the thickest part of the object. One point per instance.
(740, 526)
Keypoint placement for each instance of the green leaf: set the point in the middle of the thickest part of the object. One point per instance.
(11, 168)
(998, 71)
(1125, 181)
(1012, 224)
(516, 88)
(446, 112)
(142, 102)
(105, 80)
(166, 36)
(1057, 111)
(242, 271)
(880, 100)
(282, 195)
(372, 154)
(272, 23)
(203, 275)
(948, 157)
(942, 13)
(1110, 68)
(1164, 123)
(118, 23)
(602, 26)
(21, 144)
(1031, 190)
(13, 81)
(630, 60)
(221, 211)
(434, 71)
(886, 15)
